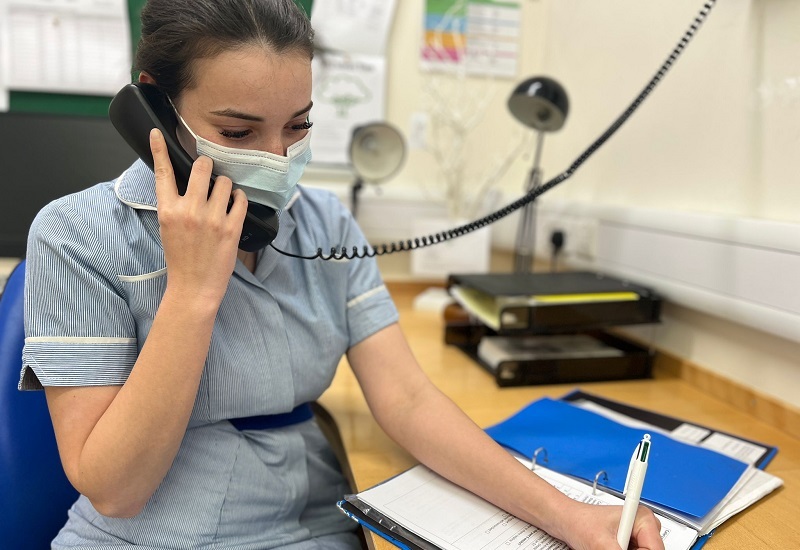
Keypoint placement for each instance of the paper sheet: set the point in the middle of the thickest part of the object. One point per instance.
(455, 519)
(68, 46)
(348, 91)
(353, 26)
(349, 74)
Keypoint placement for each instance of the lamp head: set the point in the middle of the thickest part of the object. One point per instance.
(377, 151)
(540, 103)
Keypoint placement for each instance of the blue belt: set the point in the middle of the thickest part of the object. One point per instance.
(301, 413)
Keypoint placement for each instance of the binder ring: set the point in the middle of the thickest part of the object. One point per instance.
(536, 455)
(604, 475)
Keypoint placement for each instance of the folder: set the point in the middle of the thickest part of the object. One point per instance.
(686, 478)
(753, 452)
(581, 444)
(693, 482)
(549, 303)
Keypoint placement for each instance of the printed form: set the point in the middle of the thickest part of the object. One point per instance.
(455, 519)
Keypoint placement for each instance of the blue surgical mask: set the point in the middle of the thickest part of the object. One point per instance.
(266, 178)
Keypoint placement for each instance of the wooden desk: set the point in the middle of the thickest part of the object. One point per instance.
(373, 457)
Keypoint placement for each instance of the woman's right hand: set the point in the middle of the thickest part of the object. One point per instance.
(593, 527)
(199, 235)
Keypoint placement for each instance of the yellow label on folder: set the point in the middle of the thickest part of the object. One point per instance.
(588, 297)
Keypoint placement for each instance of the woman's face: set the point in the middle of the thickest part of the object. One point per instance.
(249, 98)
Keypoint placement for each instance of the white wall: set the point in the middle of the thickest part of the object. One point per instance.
(720, 136)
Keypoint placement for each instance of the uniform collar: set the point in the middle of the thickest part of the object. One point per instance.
(136, 187)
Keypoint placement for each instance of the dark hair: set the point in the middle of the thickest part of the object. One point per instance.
(176, 32)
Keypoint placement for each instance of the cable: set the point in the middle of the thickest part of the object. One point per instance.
(368, 251)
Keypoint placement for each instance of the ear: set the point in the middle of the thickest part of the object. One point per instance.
(145, 78)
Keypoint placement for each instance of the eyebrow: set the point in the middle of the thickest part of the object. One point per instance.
(232, 113)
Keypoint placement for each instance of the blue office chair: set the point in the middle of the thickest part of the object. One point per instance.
(34, 491)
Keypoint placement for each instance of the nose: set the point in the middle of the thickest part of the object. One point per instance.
(274, 145)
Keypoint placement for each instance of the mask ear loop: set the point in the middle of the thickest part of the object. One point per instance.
(180, 118)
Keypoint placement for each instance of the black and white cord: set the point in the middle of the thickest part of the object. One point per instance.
(367, 251)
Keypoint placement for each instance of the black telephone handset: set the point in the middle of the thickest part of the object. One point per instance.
(137, 109)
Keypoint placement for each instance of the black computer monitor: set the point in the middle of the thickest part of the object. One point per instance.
(46, 156)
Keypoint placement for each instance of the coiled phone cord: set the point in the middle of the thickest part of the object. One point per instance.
(368, 251)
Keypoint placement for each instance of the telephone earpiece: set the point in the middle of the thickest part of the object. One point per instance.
(136, 110)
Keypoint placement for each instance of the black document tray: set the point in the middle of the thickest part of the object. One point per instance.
(635, 362)
(568, 317)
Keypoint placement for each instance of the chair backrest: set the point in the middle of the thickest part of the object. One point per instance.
(34, 491)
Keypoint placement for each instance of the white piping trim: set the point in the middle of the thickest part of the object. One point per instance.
(129, 203)
(366, 296)
(293, 200)
(144, 277)
(77, 340)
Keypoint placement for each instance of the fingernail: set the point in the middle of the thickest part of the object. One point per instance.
(155, 133)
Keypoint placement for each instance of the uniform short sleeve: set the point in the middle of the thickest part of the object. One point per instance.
(325, 223)
(370, 308)
(79, 330)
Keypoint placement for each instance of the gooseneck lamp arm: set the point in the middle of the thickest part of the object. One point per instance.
(525, 244)
(540, 103)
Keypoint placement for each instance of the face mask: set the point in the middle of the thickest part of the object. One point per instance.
(266, 178)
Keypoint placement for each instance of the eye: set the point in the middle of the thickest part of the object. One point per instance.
(303, 126)
(235, 134)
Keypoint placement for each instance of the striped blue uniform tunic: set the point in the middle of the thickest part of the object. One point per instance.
(95, 277)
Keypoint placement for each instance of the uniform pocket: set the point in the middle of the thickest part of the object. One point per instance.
(144, 293)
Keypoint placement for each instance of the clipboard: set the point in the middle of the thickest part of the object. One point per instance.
(374, 521)
(419, 510)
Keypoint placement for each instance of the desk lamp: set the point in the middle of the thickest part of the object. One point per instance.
(377, 151)
(540, 103)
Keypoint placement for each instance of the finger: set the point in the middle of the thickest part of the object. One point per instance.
(647, 530)
(221, 193)
(200, 179)
(162, 168)
(238, 210)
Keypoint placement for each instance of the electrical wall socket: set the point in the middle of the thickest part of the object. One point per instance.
(580, 235)
(418, 130)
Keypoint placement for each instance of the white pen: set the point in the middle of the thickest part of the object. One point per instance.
(633, 490)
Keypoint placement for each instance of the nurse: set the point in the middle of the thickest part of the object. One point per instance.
(178, 369)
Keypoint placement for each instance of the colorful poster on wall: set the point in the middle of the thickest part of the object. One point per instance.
(478, 37)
